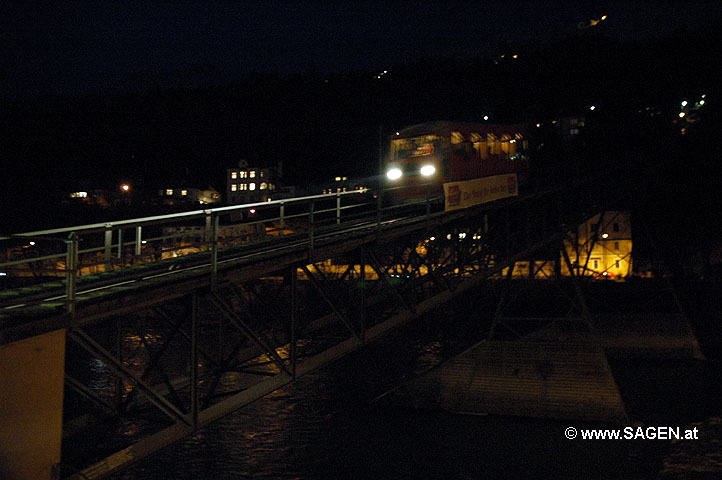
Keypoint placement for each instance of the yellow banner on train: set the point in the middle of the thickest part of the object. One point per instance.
(468, 193)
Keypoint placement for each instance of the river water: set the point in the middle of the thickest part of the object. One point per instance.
(327, 425)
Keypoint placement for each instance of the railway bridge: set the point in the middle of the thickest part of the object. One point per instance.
(177, 320)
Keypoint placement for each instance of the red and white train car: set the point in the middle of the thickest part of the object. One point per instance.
(437, 152)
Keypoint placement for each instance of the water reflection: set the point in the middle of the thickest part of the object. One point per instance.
(326, 425)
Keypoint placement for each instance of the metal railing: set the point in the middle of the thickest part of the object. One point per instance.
(72, 254)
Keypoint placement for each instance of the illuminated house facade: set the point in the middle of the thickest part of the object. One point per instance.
(570, 127)
(603, 248)
(181, 195)
(250, 184)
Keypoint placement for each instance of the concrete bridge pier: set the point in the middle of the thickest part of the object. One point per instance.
(31, 406)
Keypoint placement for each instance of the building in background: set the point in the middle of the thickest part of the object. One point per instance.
(570, 128)
(246, 184)
(189, 195)
(601, 247)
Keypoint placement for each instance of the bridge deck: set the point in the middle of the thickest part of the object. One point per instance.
(40, 308)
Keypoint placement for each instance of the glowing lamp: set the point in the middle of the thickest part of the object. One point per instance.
(394, 174)
(428, 170)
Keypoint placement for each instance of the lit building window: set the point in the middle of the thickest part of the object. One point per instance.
(252, 186)
(243, 186)
(169, 191)
(252, 175)
(243, 174)
(263, 186)
(184, 192)
(234, 187)
(234, 175)
(261, 173)
(79, 195)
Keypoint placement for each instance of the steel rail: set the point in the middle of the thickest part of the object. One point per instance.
(100, 227)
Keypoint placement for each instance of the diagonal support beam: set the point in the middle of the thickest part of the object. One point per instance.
(246, 330)
(89, 394)
(500, 305)
(94, 348)
(154, 359)
(164, 377)
(590, 246)
(577, 288)
(185, 334)
(327, 299)
(374, 262)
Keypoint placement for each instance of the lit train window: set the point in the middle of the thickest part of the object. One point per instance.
(423, 149)
(456, 138)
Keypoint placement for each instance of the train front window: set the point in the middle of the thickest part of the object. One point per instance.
(421, 146)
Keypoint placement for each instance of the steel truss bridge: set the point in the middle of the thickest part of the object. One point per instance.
(187, 317)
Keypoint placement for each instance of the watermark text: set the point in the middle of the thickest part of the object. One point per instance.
(633, 433)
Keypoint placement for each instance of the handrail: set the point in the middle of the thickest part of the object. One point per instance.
(125, 243)
(99, 227)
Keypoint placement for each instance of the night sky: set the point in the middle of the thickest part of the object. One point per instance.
(79, 47)
(93, 94)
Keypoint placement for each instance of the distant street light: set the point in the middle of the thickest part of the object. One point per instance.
(125, 187)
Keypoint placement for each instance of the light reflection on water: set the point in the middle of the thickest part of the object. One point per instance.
(326, 425)
(299, 431)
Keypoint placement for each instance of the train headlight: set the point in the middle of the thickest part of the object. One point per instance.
(428, 170)
(394, 174)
